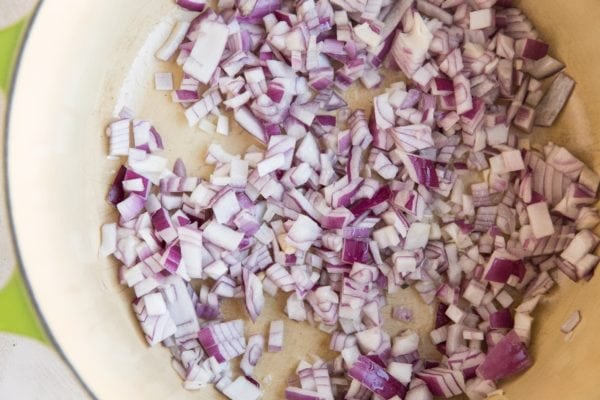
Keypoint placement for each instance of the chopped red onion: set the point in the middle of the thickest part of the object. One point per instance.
(394, 16)
(539, 217)
(479, 389)
(223, 341)
(163, 81)
(109, 240)
(208, 47)
(242, 389)
(443, 382)
(410, 49)
(276, 336)
(544, 67)
(175, 39)
(119, 134)
(571, 323)
(254, 350)
(376, 379)
(156, 328)
(433, 189)
(555, 100)
(222, 236)
(406, 343)
(531, 48)
(419, 393)
(192, 5)
(502, 265)
(255, 300)
(293, 393)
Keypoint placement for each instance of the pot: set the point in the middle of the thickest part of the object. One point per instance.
(81, 63)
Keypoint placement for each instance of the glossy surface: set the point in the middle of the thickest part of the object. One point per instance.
(81, 66)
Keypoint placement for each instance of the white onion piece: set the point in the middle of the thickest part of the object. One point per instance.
(163, 81)
(242, 389)
(407, 343)
(481, 19)
(222, 236)
(254, 350)
(109, 240)
(275, 343)
(208, 48)
(410, 49)
(175, 38)
(571, 323)
(401, 371)
(541, 223)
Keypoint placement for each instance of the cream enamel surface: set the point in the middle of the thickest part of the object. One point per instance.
(79, 67)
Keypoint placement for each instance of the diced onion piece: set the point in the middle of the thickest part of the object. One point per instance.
(222, 236)
(109, 239)
(254, 350)
(293, 393)
(163, 81)
(571, 323)
(192, 5)
(208, 48)
(508, 357)
(406, 343)
(555, 100)
(173, 41)
(242, 389)
(417, 236)
(410, 49)
(443, 382)
(482, 19)
(401, 371)
(539, 217)
(376, 379)
(275, 336)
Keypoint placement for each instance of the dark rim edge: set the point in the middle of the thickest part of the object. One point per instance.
(24, 40)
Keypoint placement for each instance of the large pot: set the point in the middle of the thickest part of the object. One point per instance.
(82, 61)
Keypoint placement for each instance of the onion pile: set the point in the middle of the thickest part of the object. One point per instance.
(437, 187)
